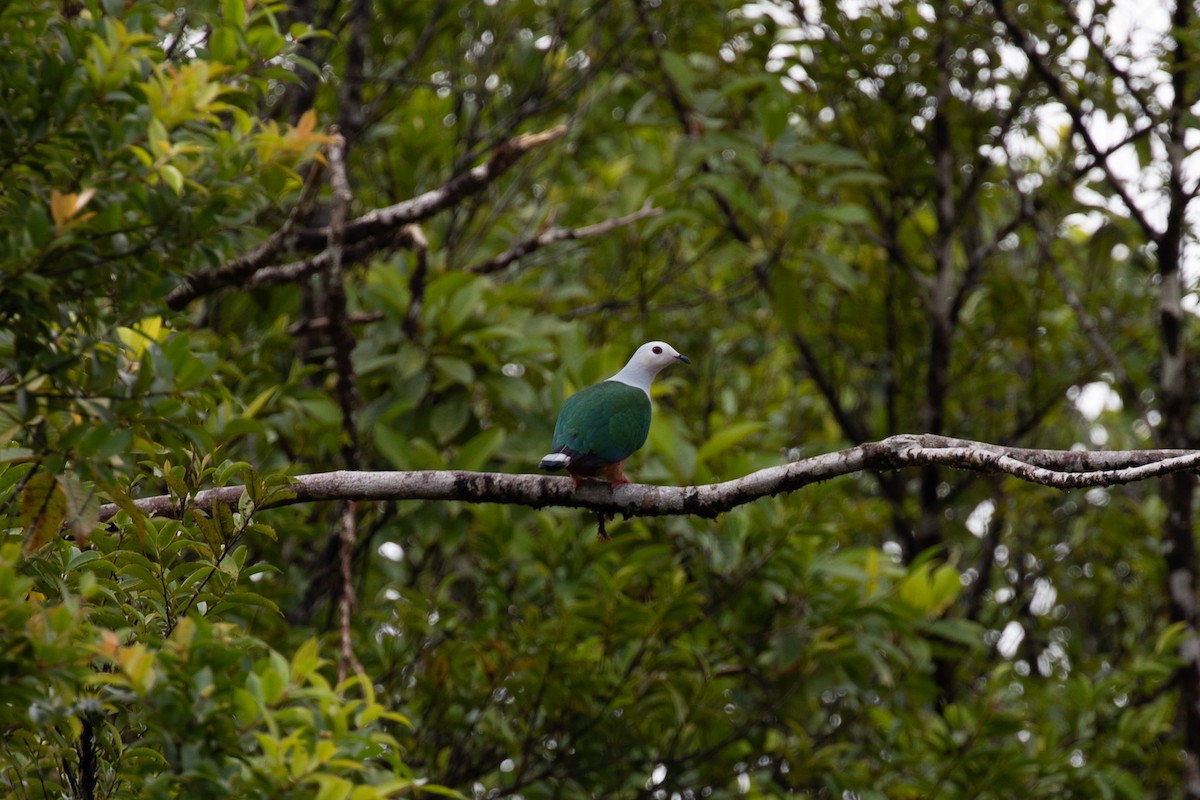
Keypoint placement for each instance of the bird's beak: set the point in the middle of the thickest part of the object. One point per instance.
(683, 358)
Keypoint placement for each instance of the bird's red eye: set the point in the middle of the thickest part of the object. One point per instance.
(657, 350)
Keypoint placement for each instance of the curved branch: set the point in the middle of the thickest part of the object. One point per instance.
(361, 236)
(473, 181)
(557, 234)
(237, 270)
(1076, 111)
(351, 254)
(1061, 469)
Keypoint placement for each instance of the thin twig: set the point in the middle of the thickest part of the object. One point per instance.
(416, 281)
(351, 254)
(1071, 103)
(321, 323)
(560, 234)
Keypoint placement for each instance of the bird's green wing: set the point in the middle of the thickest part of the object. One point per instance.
(603, 424)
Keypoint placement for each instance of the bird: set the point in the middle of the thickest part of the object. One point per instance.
(602, 425)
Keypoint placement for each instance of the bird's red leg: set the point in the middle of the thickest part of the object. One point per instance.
(616, 474)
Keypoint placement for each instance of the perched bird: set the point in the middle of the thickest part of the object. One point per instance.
(600, 426)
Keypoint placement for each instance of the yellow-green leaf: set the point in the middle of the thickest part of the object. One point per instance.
(234, 12)
(259, 402)
(727, 437)
(43, 508)
(172, 177)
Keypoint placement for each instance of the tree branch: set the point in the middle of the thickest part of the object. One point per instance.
(559, 234)
(360, 251)
(1070, 102)
(426, 205)
(416, 281)
(340, 335)
(234, 272)
(376, 230)
(321, 323)
(343, 343)
(1060, 469)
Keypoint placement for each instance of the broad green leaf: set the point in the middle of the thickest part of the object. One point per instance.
(223, 43)
(727, 437)
(475, 453)
(234, 13)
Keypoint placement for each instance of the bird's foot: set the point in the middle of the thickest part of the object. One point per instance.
(601, 533)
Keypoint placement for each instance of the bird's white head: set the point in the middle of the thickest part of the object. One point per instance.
(656, 355)
(648, 361)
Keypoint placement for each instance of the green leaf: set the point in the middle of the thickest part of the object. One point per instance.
(223, 517)
(727, 437)
(172, 177)
(960, 631)
(931, 588)
(223, 44)
(82, 558)
(475, 453)
(255, 406)
(332, 787)
(234, 13)
(393, 445)
(828, 154)
(235, 600)
(449, 417)
(10, 454)
(847, 214)
(681, 73)
(305, 660)
(455, 369)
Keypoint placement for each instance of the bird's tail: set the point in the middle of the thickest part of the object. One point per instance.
(554, 461)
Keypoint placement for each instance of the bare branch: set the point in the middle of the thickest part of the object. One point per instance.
(340, 336)
(376, 230)
(290, 273)
(342, 339)
(560, 234)
(1090, 328)
(426, 205)
(347, 536)
(321, 323)
(1071, 103)
(233, 273)
(416, 281)
(1060, 469)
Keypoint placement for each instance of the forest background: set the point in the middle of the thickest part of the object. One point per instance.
(241, 242)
